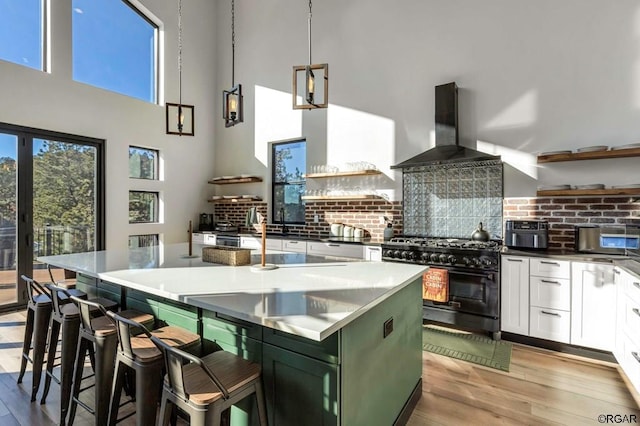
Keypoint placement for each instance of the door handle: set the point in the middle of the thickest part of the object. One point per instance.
(635, 355)
(514, 260)
(551, 282)
(636, 311)
(636, 284)
(549, 263)
(454, 304)
(550, 313)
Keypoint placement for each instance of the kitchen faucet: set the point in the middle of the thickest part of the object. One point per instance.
(284, 226)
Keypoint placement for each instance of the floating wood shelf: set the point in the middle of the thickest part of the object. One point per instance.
(236, 200)
(341, 174)
(341, 197)
(569, 192)
(593, 155)
(227, 181)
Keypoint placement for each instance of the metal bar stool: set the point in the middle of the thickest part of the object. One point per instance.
(66, 318)
(206, 387)
(39, 310)
(140, 354)
(98, 333)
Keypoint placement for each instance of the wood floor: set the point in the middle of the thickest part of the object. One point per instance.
(542, 388)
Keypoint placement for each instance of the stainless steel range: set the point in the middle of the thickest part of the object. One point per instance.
(473, 273)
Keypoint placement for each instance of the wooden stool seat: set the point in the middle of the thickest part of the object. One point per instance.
(233, 372)
(145, 351)
(103, 326)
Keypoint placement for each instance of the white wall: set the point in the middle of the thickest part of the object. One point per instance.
(534, 76)
(53, 101)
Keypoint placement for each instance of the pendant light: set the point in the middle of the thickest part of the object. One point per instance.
(233, 105)
(179, 117)
(316, 80)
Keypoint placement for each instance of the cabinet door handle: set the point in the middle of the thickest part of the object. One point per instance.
(551, 282)
(635, 355)
(292, 242)
(636, 311)
(636, 284)
(514, 260)
(549, 263)
(550, 313)
(333, 245)
(374, 248)
(617, 272)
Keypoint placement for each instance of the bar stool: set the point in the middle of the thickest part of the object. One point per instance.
(98, 333)
(39, 309)
(66, 318)
(206, 387)
(140, 354)
(69, 281)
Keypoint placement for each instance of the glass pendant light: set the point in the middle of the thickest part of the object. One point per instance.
(314, 77)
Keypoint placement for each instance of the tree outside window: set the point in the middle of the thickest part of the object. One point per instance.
(289, 160)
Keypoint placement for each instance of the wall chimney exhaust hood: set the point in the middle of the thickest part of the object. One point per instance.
(447, 149)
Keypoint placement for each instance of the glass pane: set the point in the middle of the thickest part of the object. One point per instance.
(21, 32)
(64, 203)
(143, 163)
(8, 206)
(143, 207)
(114, 48)
(136, 241)
(290, 164)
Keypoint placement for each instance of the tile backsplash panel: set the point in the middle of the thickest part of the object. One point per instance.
(449, 200)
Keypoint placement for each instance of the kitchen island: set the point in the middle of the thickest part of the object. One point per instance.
(339, 340)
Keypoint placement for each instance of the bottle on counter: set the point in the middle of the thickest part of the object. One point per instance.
(388, 231)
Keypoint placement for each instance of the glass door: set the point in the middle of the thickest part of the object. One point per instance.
(51, 202)
(8, 219)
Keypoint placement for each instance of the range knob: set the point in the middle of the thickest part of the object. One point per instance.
(397, 254)
(406, 254)
(466, 261)
(434, 257)
(442, 258)
(425, 257)
(387, 253)
(451, 259)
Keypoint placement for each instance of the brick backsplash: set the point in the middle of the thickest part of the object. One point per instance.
(563, 213)
(363, 214)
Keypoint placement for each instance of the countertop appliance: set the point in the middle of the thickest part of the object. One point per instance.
(606, 239)
(206, 222)
(473, 271)
(531, 234)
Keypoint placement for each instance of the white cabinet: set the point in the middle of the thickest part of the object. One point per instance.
(296, 246)
(514, 294)
(210, 239)
(335, 249)
(274, 244)
(250, 242)
(197, 238)
(550, 299)
(627, 344)
(373, 253)
(593, 305)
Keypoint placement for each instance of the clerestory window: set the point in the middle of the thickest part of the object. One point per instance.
(115, 47)
(22, 32)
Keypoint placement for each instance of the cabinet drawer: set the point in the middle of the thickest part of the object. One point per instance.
(243, 346)
(550, 324)
(552, 293)
(334, 249)
(631, 285)
(630, 315)
(250, 242)
(210, 239)
(197, 238)
(274, 244)
(232, 325)
(550, 268)
(629, 360)
(326, 350)
(295, 246)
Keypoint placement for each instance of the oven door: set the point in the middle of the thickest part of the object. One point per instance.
(472, 291)
(228, 240)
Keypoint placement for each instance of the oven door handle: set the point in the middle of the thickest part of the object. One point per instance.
(488, 276)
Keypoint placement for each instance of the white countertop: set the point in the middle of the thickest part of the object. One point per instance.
(308, 296)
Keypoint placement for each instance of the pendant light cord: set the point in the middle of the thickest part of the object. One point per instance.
(233, 43)
(180, 52)
(309, 32)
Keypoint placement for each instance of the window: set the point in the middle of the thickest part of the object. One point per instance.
(149, 240)
(289, 161)
(21, 32)
(143, 163)
(115, 48)
(143, 207)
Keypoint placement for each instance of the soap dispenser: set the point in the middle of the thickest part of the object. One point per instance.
(388, 231)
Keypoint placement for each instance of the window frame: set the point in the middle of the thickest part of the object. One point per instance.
(274, 184)
(156, 163)
(158, 28)
(156, 218)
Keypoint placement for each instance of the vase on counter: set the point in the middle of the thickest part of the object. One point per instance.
(388, 232)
